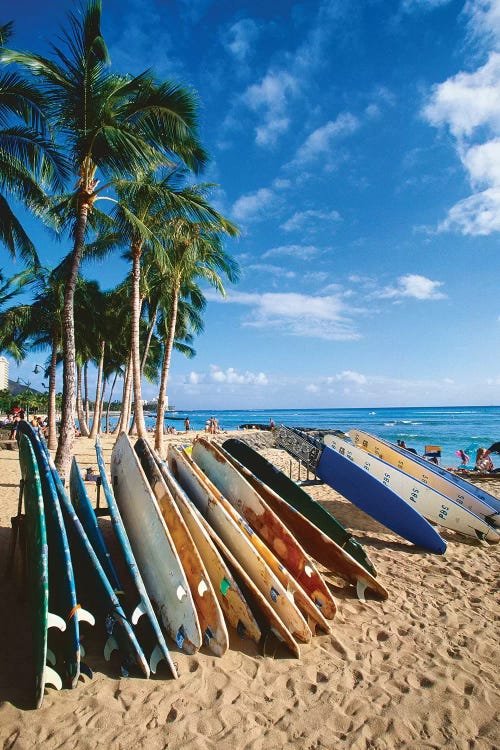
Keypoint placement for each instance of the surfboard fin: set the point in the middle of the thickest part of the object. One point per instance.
(202, 587)
(54, 621)
(155, 658)
(138, 611)
(52, 678)
(312, 624)
(51, 657)
(110, 646)
(85, 616)
(86, 670)
(361, 587)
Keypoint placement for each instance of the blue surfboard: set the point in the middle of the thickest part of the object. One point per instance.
(362, 489)
(120, 633)
(85, 512)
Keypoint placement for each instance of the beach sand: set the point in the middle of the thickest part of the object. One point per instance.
(420, 670)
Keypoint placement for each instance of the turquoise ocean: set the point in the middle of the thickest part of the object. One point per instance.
(453, 428)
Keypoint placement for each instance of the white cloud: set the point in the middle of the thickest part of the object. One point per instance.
(478, 214)
(409, 6)
(319, 143)
(468, 104)
(414, 286)
(325, 317)
(304, 252)
(483, 163)
(281, 183)
(348, 376)
(270, 269)
(309, 219)
(229, 376)
(468, 101)
(484, 19)
(271, 96)
(252, 205)
(241, 37)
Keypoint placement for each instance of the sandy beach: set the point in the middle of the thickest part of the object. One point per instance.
(420, 670)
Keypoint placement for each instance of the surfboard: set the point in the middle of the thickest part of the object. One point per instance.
(321, 547)
(433, 505)
(289, 611)
(38, 573)
(212, 625)
(235, 547)
(153, 547)
(361, 489)
(144, 607)
(120, 635)
(299, 499)
(311, 594)
(85, 512)
(456, 489)
(233, 604)
(62, 591)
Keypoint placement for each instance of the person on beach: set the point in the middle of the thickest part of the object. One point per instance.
(403, 445)
(483, 461)
(187, 425)
(464, 458)
(15, 424)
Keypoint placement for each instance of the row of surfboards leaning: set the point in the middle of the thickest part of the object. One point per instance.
(210, 545)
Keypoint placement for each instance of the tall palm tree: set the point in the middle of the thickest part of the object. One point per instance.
(145, 209)
(110, 126)
(194, 250)
(29, 160)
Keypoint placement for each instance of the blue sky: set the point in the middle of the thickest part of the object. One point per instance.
(357, 146)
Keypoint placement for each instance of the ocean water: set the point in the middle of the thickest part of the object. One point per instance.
(453, 428)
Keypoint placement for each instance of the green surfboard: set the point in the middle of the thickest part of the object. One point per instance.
(37, 572)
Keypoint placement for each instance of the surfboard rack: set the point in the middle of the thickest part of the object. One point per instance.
(303, 449)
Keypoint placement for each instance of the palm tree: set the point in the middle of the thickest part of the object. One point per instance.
(145, 208)
(111, 126)
(28, 157)
(194, 250)
(37, 326)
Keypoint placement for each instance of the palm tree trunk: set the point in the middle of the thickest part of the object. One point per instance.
(51, 415)
(128, 402)
(86, 392)
(67, 433)
(134, 340)
(148, 340)
(101, 402)
(125, 412)
(165, 367)
(96, 422)
(110, 400)
(84, 429)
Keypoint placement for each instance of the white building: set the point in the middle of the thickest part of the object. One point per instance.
(4, 374)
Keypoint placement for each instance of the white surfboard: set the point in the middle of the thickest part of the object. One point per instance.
(210, 617)
(432, 504)
(153, 547)
(404, 461)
